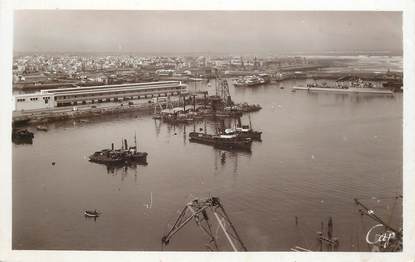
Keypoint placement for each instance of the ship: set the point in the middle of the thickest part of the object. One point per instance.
(351, 90)
(355, 87)
(124, 156)
(253, 80)
(246, 131)
(223, 141)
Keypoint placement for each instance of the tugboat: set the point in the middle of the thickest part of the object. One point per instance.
(124, 156)
(22, 136)
(224, 141)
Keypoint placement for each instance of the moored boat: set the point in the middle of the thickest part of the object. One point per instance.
(253, 80)
(124, 156)
(225, 141)
(246, 131)
(22, 136)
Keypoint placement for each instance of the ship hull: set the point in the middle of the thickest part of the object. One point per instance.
(345, 90)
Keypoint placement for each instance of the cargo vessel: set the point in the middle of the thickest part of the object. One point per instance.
(224, 141)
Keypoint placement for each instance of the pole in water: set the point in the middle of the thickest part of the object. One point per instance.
(330, 228)
(321, 235)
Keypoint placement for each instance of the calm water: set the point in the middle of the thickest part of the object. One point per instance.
(319, 151)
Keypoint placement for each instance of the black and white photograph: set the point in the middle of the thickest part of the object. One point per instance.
(208, 130)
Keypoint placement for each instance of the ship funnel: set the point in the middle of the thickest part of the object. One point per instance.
(125, 143)
(112, 146)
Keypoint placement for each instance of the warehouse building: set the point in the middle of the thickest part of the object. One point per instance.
(52, 98)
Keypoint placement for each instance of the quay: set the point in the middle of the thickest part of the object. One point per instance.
(60, 114)
(93, 101)
(73, 102)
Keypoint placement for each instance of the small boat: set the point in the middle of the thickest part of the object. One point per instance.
(90, 213)
(42, 128)
(22, 136)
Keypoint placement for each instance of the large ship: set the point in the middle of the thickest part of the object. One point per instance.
(357, 86)
(345, 90)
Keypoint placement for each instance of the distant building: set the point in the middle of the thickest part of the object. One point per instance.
(165, 72)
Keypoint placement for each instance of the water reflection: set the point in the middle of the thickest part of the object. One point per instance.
(349, 160)
(231, 158)
(157, 127)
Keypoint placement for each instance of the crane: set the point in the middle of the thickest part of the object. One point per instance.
(198, 210)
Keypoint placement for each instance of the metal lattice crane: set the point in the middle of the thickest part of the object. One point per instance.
(197, 210)
(222, 89)
(389, 238)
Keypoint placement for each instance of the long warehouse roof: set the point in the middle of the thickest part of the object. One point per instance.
(142, 85)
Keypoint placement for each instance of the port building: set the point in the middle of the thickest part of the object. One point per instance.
(54, 98)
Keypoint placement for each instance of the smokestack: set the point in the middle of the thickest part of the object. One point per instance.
(125, 143)
(112, 146)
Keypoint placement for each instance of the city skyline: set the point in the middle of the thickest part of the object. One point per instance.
(208, 32)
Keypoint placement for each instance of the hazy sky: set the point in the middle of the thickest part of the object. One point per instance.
(206, 31)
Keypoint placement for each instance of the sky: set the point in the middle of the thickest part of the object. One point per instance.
(241, 32)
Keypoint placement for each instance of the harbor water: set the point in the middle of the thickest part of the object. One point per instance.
(319, 151)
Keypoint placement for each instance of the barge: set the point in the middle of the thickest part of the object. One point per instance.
(224, 141)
